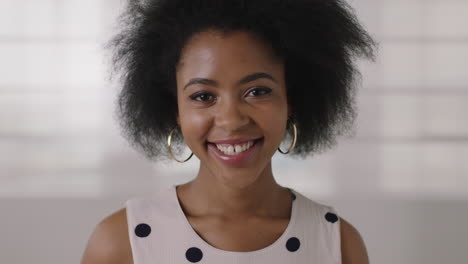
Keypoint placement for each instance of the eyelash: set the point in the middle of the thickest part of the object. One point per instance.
(263, 89)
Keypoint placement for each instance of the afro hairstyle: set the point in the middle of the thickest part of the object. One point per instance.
(317, 41)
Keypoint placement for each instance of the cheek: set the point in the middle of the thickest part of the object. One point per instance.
(275, 123)
(190, 121)
(194, 126)
(271, 119)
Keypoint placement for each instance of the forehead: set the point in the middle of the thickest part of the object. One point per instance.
(210, 52)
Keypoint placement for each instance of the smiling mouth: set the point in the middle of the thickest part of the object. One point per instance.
(234, 149)
(246, 155)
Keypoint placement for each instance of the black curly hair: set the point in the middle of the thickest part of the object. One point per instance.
(316, 39)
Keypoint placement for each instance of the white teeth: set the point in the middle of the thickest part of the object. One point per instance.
(237, 148)
(230, 149)
(234, 149)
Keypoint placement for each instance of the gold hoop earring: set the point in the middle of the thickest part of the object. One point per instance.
(294, 140)
(169, 138)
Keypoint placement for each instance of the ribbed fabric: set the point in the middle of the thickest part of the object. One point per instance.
(160, 233)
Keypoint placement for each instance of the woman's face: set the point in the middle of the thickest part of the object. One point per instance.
(231, 88)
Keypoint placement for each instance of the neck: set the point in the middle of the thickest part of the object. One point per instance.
(252, 195)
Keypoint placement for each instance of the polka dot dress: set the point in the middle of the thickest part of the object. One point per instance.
(160, 233)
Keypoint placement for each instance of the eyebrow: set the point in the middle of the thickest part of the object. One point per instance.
(246, 79)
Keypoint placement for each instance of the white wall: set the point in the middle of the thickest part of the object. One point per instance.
(402, 180)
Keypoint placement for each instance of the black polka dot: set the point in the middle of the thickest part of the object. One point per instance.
(331, 217)
(194, 254)
(293, 244)
(142, 230)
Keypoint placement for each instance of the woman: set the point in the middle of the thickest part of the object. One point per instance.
(231, 79)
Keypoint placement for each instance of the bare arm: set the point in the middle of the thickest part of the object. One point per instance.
(353, 249)
(109, 242)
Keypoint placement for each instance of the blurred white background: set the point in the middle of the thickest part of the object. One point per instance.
(402, 180)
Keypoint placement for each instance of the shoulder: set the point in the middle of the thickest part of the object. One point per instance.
(353, 249)
(109, 242)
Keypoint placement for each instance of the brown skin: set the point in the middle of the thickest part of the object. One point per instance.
(235, 209)
(110, 243)
(231, 204)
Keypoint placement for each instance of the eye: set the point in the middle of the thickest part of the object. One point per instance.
(259, 91)
(202, 97)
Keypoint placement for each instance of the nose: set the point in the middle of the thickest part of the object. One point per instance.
(231, 116)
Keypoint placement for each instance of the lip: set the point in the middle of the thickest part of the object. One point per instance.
(239, 160)
(233, 141)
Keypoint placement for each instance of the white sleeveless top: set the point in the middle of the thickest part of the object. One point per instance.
(160, 233)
